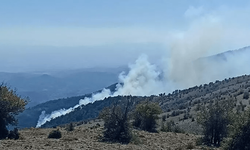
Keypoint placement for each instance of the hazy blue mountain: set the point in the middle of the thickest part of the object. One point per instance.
(41, 87)
(231, 54)
(31, 115)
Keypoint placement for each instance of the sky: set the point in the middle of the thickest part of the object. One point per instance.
(69, 34)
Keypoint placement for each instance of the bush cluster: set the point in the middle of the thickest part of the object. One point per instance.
(55, 134)
(146, 115)
(13, 134)
(70, 127)
(246, 95)
(240, 132)
(171, 127)
(117, 127)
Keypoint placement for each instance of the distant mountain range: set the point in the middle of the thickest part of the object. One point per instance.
(231, 53)
(41, 87)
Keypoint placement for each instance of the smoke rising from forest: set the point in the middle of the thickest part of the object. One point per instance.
(187, 65)
(145, 78)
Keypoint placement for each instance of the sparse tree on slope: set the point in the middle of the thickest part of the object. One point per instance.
(116, 123)
(145, 116)
(246, 95)
(215, 119)
(240, 132)
(10, 105)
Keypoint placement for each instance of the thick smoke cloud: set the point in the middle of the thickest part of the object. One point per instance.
(146, 79)
(142, 79)
(230, 64)
(186, 65)
(202, 37)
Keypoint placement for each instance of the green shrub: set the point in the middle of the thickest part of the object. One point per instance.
(246, 95)
(214, 120)
(171, 127)
(55, 134)
(145, 116)
(14, 134)
(164, 117)
(190, 146)
(135, 139)
(98, 125)
(199, 141)
(240, 133)
(177, 129)
(193, 119)
(164, 128)
(70, 127)
(11, 105)
(168, 127)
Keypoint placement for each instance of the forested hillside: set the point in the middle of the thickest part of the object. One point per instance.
(178, 105)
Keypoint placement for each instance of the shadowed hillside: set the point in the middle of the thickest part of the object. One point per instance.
(31, 115)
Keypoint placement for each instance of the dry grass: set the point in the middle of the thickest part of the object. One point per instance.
(88, 139)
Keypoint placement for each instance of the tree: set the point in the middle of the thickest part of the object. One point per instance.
(70, 127)
(11, 104)
(246, 95)
(215, 119)
(116, 123)
(240, 132)
(145, 116)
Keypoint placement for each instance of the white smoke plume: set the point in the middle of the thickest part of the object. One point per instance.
(182, 68)
(202, 36)
(142, 79)
(146, 79)
(43, 118)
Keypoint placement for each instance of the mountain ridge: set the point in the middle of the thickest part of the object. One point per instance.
(178, 99)
(76, 99)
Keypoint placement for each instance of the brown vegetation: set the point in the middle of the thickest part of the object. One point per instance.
(85, 138)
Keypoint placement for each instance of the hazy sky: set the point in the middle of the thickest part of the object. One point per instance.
(62, 34)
